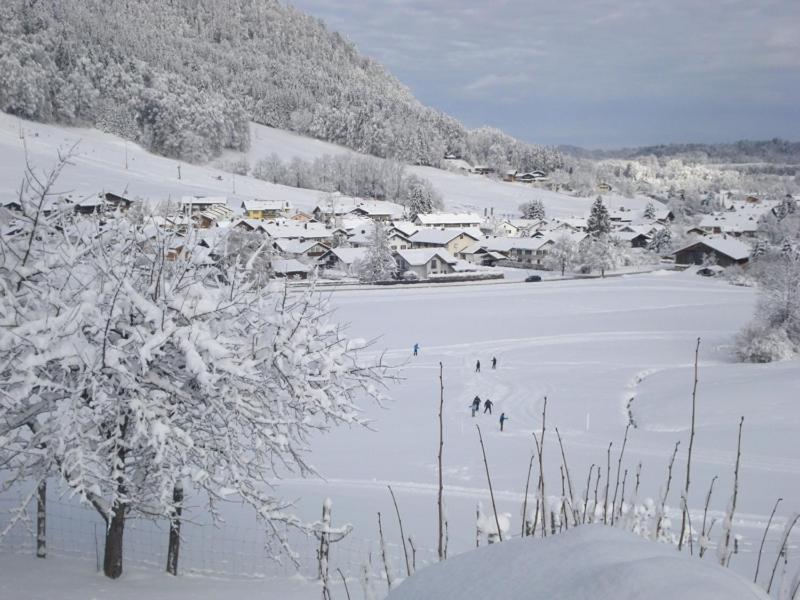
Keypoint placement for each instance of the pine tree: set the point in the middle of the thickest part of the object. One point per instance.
(599, 222)
(379, 264)
(661, 242)
(650, 211)
(533, 210)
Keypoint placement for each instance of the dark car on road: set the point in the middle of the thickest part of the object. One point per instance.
(531, 278)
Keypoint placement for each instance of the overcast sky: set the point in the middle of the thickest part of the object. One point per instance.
(595, 73)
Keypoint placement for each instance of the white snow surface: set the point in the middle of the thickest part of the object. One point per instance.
(601, 563)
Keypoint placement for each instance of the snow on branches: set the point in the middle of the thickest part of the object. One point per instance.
(132, 361)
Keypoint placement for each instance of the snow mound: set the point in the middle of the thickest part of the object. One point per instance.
(588, 562)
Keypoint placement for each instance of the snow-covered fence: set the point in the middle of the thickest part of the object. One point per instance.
(233, 550)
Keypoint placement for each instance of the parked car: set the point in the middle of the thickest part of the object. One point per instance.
(710, 271)
(531, 278)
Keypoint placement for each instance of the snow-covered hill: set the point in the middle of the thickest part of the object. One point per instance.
(460, 191)
(99, 164)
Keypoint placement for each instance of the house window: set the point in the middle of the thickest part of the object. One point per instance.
(434, 264)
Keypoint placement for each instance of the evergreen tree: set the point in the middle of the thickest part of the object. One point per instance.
(379, 264)
(599, 222)
(661, 242)
(650, 211)
(533, 210)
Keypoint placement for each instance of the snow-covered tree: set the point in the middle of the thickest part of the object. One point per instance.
(599, 222)
(774, 333)
(650, 211)
(562, 254)
(533, 210)
(602, 253)
(661, 243)
(134, 365)
(378, 264)
(420, 197)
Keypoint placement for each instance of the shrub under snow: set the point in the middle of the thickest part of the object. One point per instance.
(758, 343)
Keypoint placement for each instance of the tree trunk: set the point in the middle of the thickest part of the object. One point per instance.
(41, 520)
(112, 559)
(175, 531)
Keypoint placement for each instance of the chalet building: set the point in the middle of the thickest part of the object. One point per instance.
(531, 177)
(425, 262)
(482, 170)
(725, 251)
(213, 216)
(346, 260)
(456, 220)
(510, 175)
(634, 239)
(115, 202)
(478, 254)
(450, 240)
(289, 268)
(265, 209)
(196, 204)
(93, 205)
(308, 251)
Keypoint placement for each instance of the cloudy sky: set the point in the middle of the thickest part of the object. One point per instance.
(596, 73)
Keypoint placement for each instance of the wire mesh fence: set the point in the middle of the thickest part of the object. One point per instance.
(221, 550)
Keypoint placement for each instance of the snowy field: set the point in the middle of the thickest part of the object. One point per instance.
(595, 348)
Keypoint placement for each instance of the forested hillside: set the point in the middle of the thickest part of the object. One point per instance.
(183, 77)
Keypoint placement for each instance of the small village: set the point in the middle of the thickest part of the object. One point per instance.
(332, 239)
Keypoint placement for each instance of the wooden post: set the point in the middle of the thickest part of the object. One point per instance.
(41, 519)
(685, 511)
(489, 479)
(441, 446)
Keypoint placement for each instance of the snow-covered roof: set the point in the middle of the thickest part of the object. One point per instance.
(289, 265)
(266, 205)
(202, 200)
(295, 229)
(449, 219)
(627, 236)
(296, 246)
(590, 561)
(343, 205)
(506, 244)
(405, 227)
(422, 256)
(727, 246)
(731, 222)
(349, 255)
(441, 237)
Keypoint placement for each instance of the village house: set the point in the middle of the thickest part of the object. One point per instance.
(634, 239)
(526, 251)
(345, 260)
(451, 240)
(735, 224)
(424, 262)
(456, 220)
(290, 268)
(212, 216)
(265, 209)
(482, 170)
(478, 254)
(196, 204)
(308, 251)
(723, 251)
(338, 205)
(531, 177)
(362, 238)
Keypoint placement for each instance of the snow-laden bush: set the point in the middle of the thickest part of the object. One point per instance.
(759, 343)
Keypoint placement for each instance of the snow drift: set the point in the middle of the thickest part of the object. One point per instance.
(588, 562)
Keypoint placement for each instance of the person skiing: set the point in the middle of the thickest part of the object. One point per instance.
(416, 348)
(476, 404)
(503, 419)
(494, 362)
(478, 367)
(487, 406)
